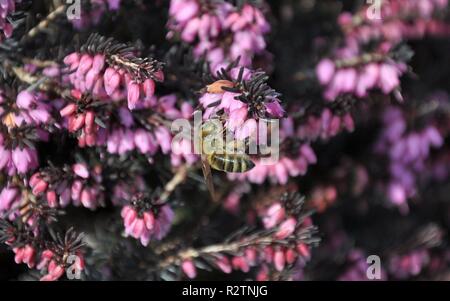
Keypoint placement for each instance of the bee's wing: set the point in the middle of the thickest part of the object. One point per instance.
(208, 178)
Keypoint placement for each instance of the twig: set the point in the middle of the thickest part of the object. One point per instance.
(44, 23)
(231, 247)
(39, 82)
(178, 178)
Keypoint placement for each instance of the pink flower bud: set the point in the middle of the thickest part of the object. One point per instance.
(133, 95)
(303, 250)
(72, 58)
(149, 220)
(51, 199)
(251, 255)
(98, 63)
(87, 198)
(76, 123)
(149, 88)
(130, 217)
(89, 122)
(325, 71)
(25, 99)
(91, 78)
(189, 269)
(80, 170)
(224, 264)
(286, 228)
(274, 215)
(68, 110)
(159, 76)
(239, 262)
(112, 81)
(28, 256)
(290, 256)
(85, 65)
(18, 258)
(279, 260)
(40, 187)
(138, 228)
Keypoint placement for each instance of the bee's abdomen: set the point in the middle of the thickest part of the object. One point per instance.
(231, 163)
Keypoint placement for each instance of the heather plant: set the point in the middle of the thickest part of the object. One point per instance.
(98, 183)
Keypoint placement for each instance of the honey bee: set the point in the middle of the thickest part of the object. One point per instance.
(228, 157)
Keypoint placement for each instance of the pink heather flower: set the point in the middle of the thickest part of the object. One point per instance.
(367, 79)
(286, 228)
(397, 194)
(182, 10)
(82, 187)
(223, 264)
(240, 263)
(189, 269)
(81, 121)
(274, 109)
(325, 71)
(279, 260)
(145, 142)
(56, 268)
(164, 139)
(147, 225)
(25, 99)
(80, 170)
(9, 197)
(274, 215)
(182, 151)
(120, 141)
(324, 126)
(19, 160)
(133, 95)
(25, 254)
(388, 78)
(28, 109)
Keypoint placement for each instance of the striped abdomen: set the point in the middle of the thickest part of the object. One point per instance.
(231, 162)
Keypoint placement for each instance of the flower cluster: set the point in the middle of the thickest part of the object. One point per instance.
(324, 126)
(206, 24)
(287, 243)
(397, 20)
(356, 74)
(111, 128)
(244, 97)
(145, 219)
(110, 70)
(18, 154)
(407, 152)
(76, 184)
